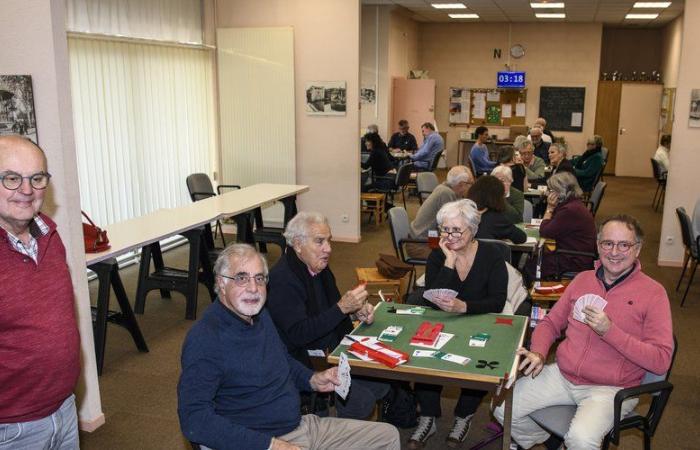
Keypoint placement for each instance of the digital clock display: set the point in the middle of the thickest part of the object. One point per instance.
(510, 80)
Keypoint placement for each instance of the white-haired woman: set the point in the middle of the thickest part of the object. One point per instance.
(557, 158)
(477, 271)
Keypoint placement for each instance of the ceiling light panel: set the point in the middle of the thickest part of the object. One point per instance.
(642, 16)
(464, 16)
(547, 5)
(550, 15)
(448, 5)
(652, 4)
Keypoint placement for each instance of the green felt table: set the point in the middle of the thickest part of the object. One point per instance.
(501, 347)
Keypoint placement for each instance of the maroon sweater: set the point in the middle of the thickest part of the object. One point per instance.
(39, 341)
(573, 227)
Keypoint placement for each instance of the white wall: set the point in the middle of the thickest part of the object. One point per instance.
(374, 52)
(683, 182)
(33, 41)
(672, 35)
(326, 48)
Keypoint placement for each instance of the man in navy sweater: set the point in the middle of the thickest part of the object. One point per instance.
(239, 386)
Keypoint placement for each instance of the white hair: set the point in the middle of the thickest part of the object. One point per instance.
(563, 148)
(521, 142)
(503, 170)
(464, 209)
(298, 228)
(458, 174)
(564, 184)
(232, 256)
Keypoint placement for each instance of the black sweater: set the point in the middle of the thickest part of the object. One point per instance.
(495, 225)
(305, 308)
(485, 287)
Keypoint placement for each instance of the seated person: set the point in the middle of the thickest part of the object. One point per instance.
(557, 158)
(515, 200)
(432, 144)
(309, 312)
(381, 162)
(489, 195)
(663, 152)
(477, 271)
(587, 167)
(239, 388)
(539, 145)
(534, 165)
(402, 139)
(570, 224)
(508, 157)
(605, 351)
(459, 180)
(479, 153)
(540, 122)
(371, 129)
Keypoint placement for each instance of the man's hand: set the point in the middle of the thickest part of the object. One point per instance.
(278, 444)
(353, 300)
(597, 319)
(366, 314)
(325, 381)
(450, 304)
(532, 362)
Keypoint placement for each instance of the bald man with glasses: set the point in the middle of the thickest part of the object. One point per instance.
(39, 342)
(607, 346)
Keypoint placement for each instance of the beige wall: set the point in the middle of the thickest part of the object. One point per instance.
(683, 182)
(33, 40)
(556, 55)
(671, 36)
(374, 50)
(326, 47)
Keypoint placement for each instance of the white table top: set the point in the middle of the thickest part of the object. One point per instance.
(144, 230)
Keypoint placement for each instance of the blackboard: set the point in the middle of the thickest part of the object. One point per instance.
(559, 105)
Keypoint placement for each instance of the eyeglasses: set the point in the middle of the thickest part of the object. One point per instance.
(13, 180)
(242, 279)
(455, 232)
(622, 246)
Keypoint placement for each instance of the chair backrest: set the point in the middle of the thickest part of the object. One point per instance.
(436, 160)
(597, 196)
(604, 154)
(696, 219)
(403, 175)
(687, 232)
(364, 177)
(426, 182)
(656, 169)
(399, 225)
(502, 247)
(199, 186)
(527, 211)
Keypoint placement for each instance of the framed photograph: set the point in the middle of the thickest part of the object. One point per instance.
(368, 95)
(17, 106)
(326, 98)
(694, 119)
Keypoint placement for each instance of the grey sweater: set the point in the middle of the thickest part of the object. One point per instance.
(425, 218)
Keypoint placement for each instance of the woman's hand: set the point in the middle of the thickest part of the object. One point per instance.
(450, 304)
(450, 255)
(552, 200)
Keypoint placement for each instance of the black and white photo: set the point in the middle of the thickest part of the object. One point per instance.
(17, 106)
(694, 119)
(368, 95)
(326, 98)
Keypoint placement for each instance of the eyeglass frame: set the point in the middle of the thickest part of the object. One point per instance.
(442, 231)
(614, 244)
(29, 177)
(242, 279)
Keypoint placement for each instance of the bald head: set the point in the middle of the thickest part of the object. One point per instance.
(20, 161)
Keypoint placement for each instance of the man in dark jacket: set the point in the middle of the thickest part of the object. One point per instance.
(310, 313)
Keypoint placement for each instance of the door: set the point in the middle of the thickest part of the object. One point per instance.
(607, 116)
(640, 106)
(413, 100)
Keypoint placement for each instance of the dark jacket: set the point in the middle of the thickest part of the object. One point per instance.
(495, 225)
(305, 308)
(564, 166)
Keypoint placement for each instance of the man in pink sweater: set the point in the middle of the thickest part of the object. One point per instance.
(39, 342)
(605, 348)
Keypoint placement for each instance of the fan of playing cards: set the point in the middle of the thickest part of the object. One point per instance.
(430, 294)
(585, 300)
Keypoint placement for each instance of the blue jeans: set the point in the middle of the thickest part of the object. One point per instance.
(59, 431)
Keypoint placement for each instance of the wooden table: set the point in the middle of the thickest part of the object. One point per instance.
(507, 335)
(146, 231)
(376, 282)
(373, 203)
(548, 298)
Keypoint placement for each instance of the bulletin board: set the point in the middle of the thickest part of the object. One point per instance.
(563, 107)
(483, 106)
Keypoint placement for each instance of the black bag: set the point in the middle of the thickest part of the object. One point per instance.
(399, 406)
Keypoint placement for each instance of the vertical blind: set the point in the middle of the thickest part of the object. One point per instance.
(144, 120)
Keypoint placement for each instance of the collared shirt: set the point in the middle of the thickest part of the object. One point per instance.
(600, 274)
(37, 228)
(432, 144)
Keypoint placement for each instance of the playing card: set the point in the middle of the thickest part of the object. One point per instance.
(344, 375)
(430, 294)
(585, 300)
(423, 353)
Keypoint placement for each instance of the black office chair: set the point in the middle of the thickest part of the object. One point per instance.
(692, 249)
(557, 419)
(199, 186)
(399, 182)
(660, 177)
(596, 197)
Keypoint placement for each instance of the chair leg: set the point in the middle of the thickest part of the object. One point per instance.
(653, 202)
(690, 281)
(647, 441)
(403, 196)
(685, 266)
